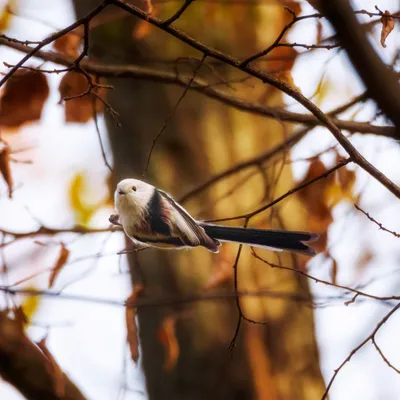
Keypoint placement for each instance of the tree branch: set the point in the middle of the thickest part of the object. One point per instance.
(273, 81)
(381, 81)
(28, 369)
(198, 85)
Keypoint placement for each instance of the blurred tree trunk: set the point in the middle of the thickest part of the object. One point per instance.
(277, 360)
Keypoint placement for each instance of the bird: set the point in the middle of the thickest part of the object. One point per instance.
(150, 217)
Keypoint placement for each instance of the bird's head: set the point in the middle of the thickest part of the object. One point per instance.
(132, 196)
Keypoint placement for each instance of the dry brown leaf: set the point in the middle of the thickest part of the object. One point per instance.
(130, 317)
(387, 27)
(5, 169)
(222, 269)
(20, 317)
(23, 98)
(167, 337)
(293, 5)
(281, 59)
(346, 177)
(334, 271)
(313, 196)
(365, 258)
(54, 369)
(316, 202)
(69, 43)
(143, 28)
(319, 33)
(79, 109)
(58, 266)
(149, 6)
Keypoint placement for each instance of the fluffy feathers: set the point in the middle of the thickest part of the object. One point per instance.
(152, 217)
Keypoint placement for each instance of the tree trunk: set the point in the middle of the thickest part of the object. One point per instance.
(276, 360)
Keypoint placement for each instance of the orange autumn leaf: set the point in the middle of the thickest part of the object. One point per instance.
(5, 169)
(130, 318)
(59, 264)
(387, 27)
(69, 43)
(294, 6)
(54, 369)
(23, 98)
(20, 317)
(313, 196)
(334, 271)
(281, 59)
(318, 39)
(143, 28)
(222, 270)
(167, 337)
(80, 108)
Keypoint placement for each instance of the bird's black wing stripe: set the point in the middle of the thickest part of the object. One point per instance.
(191, 222)
(157, 220)
(203, 237)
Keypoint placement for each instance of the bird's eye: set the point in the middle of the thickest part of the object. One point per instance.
(134, 188)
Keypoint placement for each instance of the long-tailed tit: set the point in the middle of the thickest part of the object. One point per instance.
(153, 218)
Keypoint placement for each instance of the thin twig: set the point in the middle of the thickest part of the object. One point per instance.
(339, 165)
(178, 14)
(355, 350)
(273, 81)
(172, 113)
(381, 227)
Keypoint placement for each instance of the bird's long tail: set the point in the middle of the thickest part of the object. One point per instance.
(263, 238)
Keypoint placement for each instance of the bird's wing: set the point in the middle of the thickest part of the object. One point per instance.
(188, 229)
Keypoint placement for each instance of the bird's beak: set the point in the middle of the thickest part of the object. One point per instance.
(121, 192)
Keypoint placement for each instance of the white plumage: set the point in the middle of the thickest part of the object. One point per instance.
(151, 217)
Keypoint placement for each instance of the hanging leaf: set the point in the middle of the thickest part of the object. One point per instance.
(5, 168)
(313, 196)
(54, 369)
(318, 39)
(20, 317)
(69, 43)
(281, 59)
(387, 27)
(130, 317)
(143, 28)
(23, 99)
(61, 261)
(334, 271)
(80, 108)
(222, 268)
(167, 337)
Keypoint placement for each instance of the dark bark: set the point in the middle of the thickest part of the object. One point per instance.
(381, 82)
(25, 367)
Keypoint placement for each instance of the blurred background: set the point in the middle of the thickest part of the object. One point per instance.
(61, 180)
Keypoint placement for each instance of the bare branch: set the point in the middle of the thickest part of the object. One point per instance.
(202, 86)
(172, 113)
(27, 368)
(287, 194)
(178, 14)
(273, 81)
(381, 82)
(362, 344)
(381, 227)
(53, 37)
